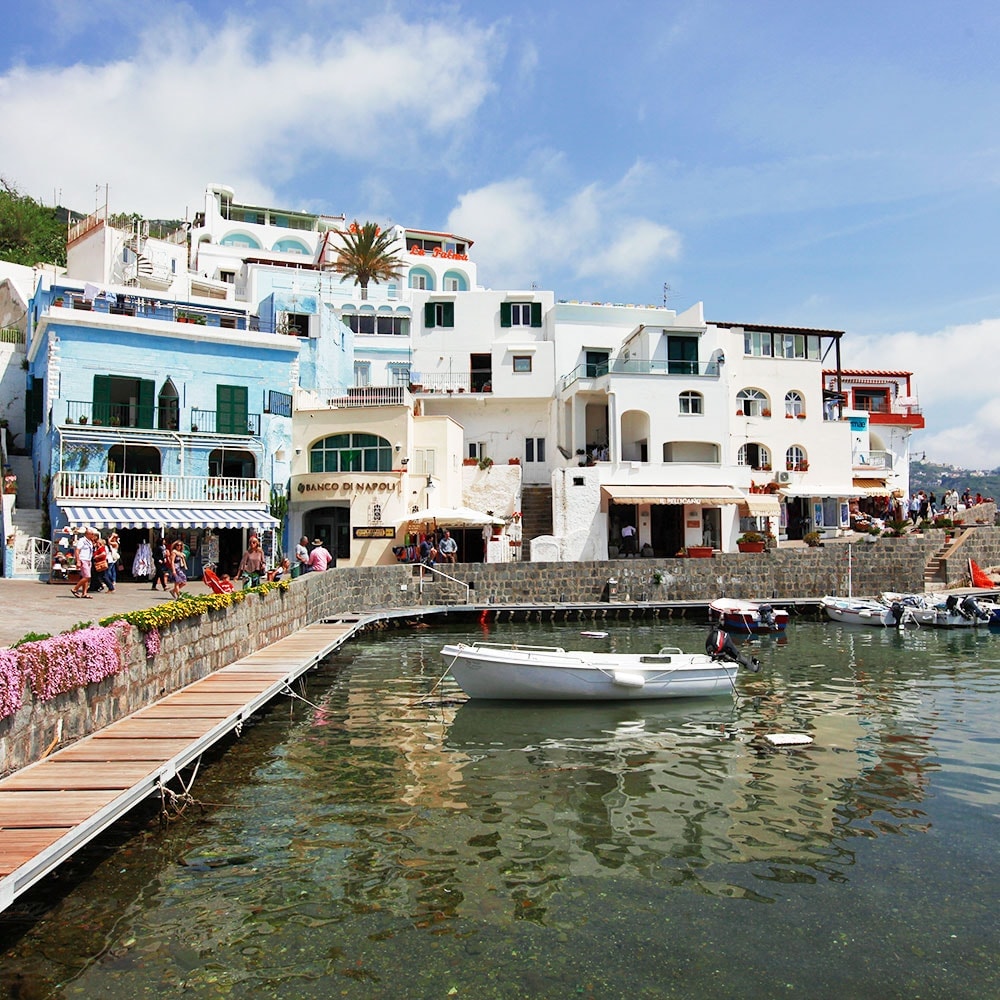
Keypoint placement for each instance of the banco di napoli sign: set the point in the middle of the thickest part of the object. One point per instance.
(348, 487)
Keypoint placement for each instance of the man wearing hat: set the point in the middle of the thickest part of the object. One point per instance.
(319, 558)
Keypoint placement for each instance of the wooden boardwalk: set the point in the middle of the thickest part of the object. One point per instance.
(52, 808)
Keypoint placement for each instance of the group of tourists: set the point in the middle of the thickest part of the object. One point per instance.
(438, 546)
(316, 559)
(97, 561)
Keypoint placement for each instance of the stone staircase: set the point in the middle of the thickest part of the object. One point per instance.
(31, 545)
(536, 515)
(935, 575)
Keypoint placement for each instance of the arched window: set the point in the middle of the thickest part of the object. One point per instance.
(351, 453)
(757, 456)
(795, 459)
(168, 407)
(794, 403)
(752, 402)
(421, 278)
(454, 281)
(692, 402)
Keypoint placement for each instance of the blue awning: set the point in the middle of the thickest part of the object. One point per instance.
(174, 516)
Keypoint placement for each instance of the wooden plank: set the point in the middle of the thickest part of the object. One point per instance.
(101, 748)
(170, 711)
(19, 846)
(20, 810)
(77, 775)
(153, 729)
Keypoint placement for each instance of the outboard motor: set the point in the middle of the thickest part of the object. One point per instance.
(766, 613)
(720, 646)
(971, 609)
(898, 613)
(951, 606)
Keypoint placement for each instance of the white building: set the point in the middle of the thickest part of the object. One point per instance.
(692, 432)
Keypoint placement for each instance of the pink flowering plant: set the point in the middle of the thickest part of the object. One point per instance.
(11, 682)
(73, 659)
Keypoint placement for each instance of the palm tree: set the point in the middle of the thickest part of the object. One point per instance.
(366, 256)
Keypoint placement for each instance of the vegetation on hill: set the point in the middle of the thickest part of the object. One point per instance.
(30, 233)
(934, 478)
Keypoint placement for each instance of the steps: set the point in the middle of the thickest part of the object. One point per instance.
(536, 515)
(935, 572)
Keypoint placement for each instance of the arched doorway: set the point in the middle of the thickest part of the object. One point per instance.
(332, 526)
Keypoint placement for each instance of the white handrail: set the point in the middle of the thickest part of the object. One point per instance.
(434, 569)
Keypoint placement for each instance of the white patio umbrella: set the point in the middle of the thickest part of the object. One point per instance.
(454, 516)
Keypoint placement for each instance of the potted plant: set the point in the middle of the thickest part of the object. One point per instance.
(801, 416)
(699, 551)
(765, 413)
(813, 539)
(513, 461)
(470, 461)
(750, 541)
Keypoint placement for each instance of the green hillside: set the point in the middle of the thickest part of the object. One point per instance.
(934, 478)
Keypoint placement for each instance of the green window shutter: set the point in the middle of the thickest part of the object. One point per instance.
(32, 401)
(231, 409)
(448, 314)
(536, 314)
(429, 315)
(147, 393)
(101, 402)
(505, 314)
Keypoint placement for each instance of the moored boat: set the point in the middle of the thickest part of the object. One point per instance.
(864, 611)
(551, 673)
(940, 611)
(751, 617)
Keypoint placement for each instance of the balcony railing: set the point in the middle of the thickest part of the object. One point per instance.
(872, 460)
(145, 487)
(370, 395)
(619, 366)
(207, 422)
(163, 418)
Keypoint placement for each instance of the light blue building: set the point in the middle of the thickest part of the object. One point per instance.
(158, 417)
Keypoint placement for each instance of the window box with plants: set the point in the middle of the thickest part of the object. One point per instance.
(750, 541)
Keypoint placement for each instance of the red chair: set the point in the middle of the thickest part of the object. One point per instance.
(215, 584)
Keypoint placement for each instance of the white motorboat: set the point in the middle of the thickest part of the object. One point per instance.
(864, 611)
(751, 617)
(550, 673)
(940, 611)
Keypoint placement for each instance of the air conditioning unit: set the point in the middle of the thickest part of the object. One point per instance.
(784, 476)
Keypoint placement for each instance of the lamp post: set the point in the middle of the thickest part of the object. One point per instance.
(429, 489)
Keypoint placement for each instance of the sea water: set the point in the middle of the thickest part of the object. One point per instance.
(377, 836)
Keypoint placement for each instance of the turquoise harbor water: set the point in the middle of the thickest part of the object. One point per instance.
(374, 842)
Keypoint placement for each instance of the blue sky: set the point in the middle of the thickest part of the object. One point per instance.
(809, 164)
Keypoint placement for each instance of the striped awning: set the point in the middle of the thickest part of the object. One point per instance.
(709, 496)
(216, 516)
(873, 487)
(760, 505)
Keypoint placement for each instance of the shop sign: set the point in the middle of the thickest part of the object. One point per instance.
(374, 531)
(346, 487)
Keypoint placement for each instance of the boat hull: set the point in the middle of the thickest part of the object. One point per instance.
(745, 617)
(542, 674)
(851, 611)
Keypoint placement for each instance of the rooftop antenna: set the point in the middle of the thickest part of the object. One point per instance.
(666, 292)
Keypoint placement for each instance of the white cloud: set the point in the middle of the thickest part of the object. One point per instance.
(195, 104)
(592, 234)
(956, 384)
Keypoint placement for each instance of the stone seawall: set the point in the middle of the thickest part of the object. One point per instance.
(194, 648)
